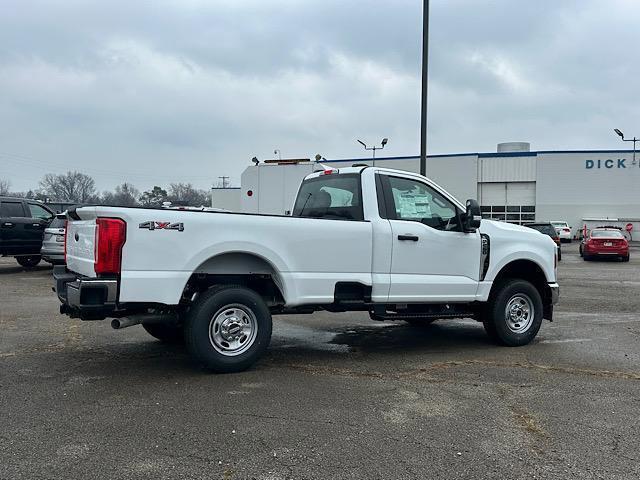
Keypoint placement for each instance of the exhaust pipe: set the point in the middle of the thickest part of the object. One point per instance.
(124, 322)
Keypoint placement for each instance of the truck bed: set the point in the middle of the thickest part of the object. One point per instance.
(309, 254)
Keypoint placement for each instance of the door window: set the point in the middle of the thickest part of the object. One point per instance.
(11, 209)
(416, 201)
(39, 212)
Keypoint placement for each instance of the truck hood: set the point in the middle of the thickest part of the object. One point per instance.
(516, 237)
(493, 226)
(506, 231)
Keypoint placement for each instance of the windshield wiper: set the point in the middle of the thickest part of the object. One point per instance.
(305, 204)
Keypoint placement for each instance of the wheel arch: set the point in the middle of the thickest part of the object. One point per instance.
(529, 270)
(239, 267)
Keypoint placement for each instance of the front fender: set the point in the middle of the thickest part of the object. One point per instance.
(504, 259)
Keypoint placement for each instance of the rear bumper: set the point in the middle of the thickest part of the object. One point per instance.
(52, 256)
(82, 297)
(621, 252)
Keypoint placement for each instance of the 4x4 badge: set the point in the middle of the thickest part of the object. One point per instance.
(151, 225)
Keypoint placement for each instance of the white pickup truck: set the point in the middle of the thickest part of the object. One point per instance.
(362, 238)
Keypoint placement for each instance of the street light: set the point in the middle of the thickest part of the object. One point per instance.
(423, 93)
(374, 148)
(634, 140)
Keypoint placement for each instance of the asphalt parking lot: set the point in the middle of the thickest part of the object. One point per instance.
(337, 396)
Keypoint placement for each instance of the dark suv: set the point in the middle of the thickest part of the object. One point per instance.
(22, 224)
(548, 229)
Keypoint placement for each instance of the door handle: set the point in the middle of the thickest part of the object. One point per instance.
(7, 224)
(37, 225)
(413, 238)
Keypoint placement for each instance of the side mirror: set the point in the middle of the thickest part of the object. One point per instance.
(472, 216)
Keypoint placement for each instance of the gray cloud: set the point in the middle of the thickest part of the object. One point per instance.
(189, 90)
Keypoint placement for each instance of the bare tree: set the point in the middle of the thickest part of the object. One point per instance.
(71, 187)
(187, 194)
(5, 185)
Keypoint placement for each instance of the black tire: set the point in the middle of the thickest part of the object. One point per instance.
(29, 261)
(625, 259)
(165, 332)
(580, 250)
(559, 255)
(513, 330)
(420, 322)
(587, 258)
(217, 322)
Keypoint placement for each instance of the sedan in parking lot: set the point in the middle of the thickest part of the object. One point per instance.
(53, 242)
(563, 229)
(605, 242)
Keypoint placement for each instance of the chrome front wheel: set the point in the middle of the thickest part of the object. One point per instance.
(519, 313)
(513, 314)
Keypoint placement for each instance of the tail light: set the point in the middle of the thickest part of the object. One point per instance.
(66, 232)
(109, 240)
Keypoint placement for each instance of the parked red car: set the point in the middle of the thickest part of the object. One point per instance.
(607, 242)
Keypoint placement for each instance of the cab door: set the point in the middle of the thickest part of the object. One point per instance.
(13, 221)
(433, 259)
(40, 218)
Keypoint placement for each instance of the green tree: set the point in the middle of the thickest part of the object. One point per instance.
(153, 197)
(125, 195)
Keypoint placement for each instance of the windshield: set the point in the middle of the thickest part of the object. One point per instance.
(560, 224)
(332, 196)
(606, 233)
(57, 223)
(546, 229)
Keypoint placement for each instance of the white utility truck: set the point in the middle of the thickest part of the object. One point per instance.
(387, 242)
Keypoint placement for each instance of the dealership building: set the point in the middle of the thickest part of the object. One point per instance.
(514, 184)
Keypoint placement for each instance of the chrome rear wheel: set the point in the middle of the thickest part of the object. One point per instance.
(228, 328)
(233, 329)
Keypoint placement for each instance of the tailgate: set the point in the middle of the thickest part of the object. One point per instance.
(81, 246)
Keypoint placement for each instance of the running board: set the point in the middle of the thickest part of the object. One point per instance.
(427, 312)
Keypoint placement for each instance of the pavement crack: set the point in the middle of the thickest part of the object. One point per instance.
(537, 366)
(424, 372)
(286, 418)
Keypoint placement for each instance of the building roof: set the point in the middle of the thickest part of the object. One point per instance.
(474, 154)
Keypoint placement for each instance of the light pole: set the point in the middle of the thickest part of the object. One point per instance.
(374, 148)
(425, 80)
(634, 140)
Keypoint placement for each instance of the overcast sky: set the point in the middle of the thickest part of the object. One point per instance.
(188, 90)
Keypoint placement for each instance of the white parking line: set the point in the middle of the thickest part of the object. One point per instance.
(568, 340)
